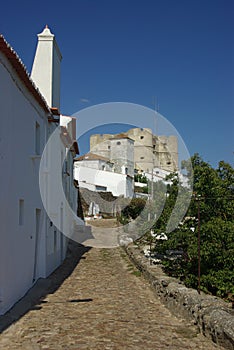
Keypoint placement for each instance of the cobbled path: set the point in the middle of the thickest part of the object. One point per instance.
(103, 304)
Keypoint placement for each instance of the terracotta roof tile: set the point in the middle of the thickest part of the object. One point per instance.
(92, 156)
(22, 73)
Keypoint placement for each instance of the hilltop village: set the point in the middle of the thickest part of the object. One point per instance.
(33, 244)
(115, 162)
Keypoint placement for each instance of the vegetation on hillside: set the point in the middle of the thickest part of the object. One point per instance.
(140, 178)
(213, 193)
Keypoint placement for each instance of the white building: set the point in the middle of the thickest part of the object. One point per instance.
(30, 245)
(158, 174)
(111, 169)
(98, 173)
(95, 161)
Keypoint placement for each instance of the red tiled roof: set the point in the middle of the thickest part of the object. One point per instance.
(55, 111)
(24, 76)
(92, 156)
(22, 73)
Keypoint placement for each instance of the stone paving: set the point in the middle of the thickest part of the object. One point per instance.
(103, 304)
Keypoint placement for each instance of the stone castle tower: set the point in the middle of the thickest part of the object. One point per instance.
(149, 151)
(118, 148)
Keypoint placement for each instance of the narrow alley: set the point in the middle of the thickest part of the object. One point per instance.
(101, 302)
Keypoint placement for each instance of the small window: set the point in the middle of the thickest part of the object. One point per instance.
(142, 137)
(62, 159)
(142, 157)
(108, 147)
(118, 143)
(126, 171)
(103, 167)
(37, 138)
(55, 240)
(101, 188)
(21, 212)
(65, 167)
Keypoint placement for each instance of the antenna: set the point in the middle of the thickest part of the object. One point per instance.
(156, 109)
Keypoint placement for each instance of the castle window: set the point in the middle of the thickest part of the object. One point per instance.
(142, 157)
(108, 147)
(142, 137)
(118, 143)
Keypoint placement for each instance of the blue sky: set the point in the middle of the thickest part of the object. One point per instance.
(179, 51)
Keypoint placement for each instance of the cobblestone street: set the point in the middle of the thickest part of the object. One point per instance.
(103, 304)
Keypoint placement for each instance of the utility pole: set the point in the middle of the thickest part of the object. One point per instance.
(199, 247)
(198, 199)
(152, 184)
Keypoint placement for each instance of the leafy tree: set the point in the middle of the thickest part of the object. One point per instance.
(214, 193)
(140, 178)
(134, 208)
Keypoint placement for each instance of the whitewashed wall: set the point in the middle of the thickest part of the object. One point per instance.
(97, 164)
(118, 184)
(20, 241)
(46, 67)
(30, 246)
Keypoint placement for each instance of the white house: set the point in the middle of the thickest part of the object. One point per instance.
(158, 174)
(31, 246)
(109, 166)
(95, 161)
(98, 173)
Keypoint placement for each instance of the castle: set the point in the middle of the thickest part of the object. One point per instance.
(149, 151)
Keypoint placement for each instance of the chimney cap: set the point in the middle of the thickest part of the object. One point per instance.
(46, 32)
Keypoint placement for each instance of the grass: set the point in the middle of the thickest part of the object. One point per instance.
(130, 266)
(136, 273)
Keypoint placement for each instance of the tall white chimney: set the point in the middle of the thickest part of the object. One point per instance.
(46, 68)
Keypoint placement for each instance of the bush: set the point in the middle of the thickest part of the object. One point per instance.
(133, 209)
(215, 187)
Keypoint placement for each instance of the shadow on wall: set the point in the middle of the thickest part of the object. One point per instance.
(45, 286)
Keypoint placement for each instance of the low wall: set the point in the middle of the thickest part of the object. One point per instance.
(214, 317)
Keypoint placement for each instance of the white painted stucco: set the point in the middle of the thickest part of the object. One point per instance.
(46, 68)
(23, 247)
(118, 184)
(30, 245)
(97, 164)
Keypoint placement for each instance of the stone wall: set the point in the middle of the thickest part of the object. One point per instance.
(149, 150)
(109, 205)
(214, 317)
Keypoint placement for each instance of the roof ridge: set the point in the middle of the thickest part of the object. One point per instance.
(22, 71)
(92, 156)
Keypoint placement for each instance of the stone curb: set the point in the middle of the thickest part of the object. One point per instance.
(214, 317)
